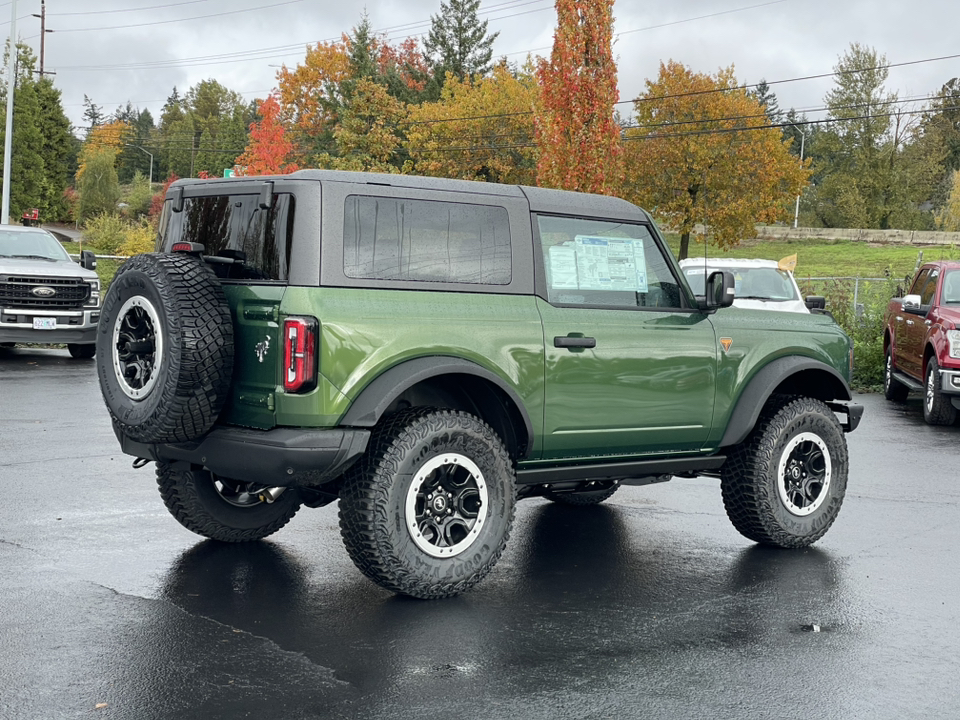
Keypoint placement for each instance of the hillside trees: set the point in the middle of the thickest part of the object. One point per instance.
(577, 135)
(269, 151)
(701, 152)
(479, 129)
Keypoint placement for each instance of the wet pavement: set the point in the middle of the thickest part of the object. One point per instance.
(650, 606)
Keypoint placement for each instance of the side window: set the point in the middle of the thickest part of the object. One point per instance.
(230, 224)
(929, 288)
(427, 241)
(919, 282)
(605, 263)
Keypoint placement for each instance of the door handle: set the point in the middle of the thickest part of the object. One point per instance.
(909, 322)
(562, 341)
(926, 322)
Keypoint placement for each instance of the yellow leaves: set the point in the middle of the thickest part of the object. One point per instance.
(949, 216)
(697, 155)
(479, 129)
(307, 92)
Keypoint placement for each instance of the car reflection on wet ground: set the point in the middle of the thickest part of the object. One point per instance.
(649, 606)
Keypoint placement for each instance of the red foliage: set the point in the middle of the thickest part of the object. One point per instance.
(407, 59)
(156, 204)
(268, 150)
(577, 134)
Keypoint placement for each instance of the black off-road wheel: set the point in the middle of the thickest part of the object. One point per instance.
(784, 484)
(937, 408)
(595, 494)
(224, 509)
(893, 389)
(81, 352)
(165, 348)
(428, 509)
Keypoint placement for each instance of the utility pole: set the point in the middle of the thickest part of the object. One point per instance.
(8, 138)
(43, 34)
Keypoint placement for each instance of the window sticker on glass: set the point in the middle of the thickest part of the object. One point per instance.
(611, 263)
(563, 267)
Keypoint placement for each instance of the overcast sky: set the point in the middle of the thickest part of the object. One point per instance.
(116, 51)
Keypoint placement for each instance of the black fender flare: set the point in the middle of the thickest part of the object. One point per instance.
(769, 378)
(369, 406)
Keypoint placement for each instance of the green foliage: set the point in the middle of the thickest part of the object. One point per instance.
(138, 197)
(97, 183)
(28, 183)
(58, 150)
(111, 234)
(458, 42)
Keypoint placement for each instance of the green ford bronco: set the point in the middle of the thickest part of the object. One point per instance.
(429, 351)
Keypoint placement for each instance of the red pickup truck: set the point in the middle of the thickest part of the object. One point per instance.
(922, 342)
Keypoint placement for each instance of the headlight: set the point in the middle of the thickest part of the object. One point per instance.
(953, 339)
(94, 300)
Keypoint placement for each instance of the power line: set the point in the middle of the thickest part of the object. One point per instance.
(176, 20)
(124, 10)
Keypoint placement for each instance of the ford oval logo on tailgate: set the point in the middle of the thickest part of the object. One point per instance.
(44, 292)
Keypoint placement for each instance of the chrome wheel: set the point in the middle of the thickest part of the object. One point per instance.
(445, 505)
(137, 347)
(931, 392)
(804, 474)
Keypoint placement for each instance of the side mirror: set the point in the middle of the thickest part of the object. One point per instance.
(815, 302)
(911, 303)
(719, 290)
(88, 260)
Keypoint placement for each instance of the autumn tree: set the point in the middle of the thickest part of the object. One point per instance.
(458, 42)
(949, 216)
(702, 151)
(577, 135)
(479, 129)
(269, 151)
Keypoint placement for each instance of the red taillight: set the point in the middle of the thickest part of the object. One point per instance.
(299, 354)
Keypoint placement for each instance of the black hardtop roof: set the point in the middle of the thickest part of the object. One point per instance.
(545, 200)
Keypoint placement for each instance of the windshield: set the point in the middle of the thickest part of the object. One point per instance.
(31, 244)
(950, 295)
(751, 283)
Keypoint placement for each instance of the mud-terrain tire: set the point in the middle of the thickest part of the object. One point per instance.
(223, 509)
(427, 510)
(893, 389)
(165, 348)
(937, 408)
(785, 483)
(604, 491)
(81, 352)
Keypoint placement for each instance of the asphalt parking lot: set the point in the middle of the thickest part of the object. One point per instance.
(650, 606)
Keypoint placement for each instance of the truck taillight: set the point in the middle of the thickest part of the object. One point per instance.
(299, 354)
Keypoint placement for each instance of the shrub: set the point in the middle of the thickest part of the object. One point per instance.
(113, 235)
(139, 239)
(139, 197)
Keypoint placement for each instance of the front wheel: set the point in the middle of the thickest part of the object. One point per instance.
(785, 483)
(937, 408)
(224, 509)
(428, 509)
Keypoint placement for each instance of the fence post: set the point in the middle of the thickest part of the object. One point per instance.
(856, 295)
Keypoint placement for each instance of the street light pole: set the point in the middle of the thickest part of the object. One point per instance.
(796, 213)
(8, 138)
(151, 160)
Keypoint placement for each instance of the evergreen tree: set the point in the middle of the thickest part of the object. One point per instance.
(458, 42)
(92, 113)
(27, 180)
(766, 97)
(58, 150)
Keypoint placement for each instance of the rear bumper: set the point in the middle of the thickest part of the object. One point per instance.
(282, 457)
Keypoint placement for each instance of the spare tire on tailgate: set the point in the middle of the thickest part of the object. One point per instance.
(165, 348)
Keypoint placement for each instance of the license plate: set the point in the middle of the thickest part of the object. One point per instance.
(44, 323)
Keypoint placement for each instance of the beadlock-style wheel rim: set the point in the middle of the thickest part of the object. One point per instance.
(803, 475)
(446, 505)
(137, 347)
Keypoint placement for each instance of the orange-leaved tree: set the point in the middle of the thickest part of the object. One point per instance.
(479, 129)
(702, 151)
(577, 134)
(269, 151)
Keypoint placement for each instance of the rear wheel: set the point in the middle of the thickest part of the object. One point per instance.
(224, 509)
(594, 494)
(893, 389)
(785, 483)
(82, 352)
(937, 408)
(427, 510)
